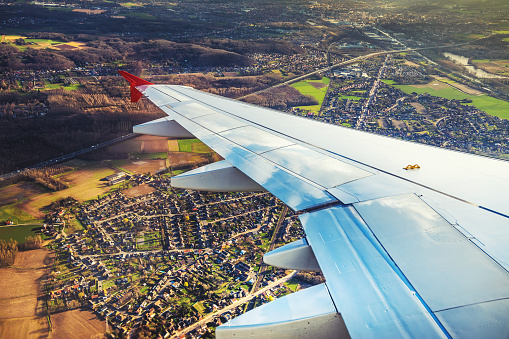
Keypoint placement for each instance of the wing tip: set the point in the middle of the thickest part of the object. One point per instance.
(134, 81)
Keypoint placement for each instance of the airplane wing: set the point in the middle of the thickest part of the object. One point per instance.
(406, 251)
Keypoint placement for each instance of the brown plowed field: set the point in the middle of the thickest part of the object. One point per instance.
(143, 166)
(19, 192)
(22, 312)
(138, 191)
(154, 146)
(77, 324)
(85, 184)
(317, 84)
(142, 144)
(186, 159)
(27, 327)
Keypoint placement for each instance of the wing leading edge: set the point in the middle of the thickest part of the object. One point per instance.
(414, 253)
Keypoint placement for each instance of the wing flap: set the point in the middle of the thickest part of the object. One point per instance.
(374, 300)
(309, 313)
(216, 177)
(443, 265)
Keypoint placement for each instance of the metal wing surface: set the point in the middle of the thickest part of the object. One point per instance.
(421, 252)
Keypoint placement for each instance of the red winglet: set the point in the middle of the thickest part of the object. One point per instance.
(134, 81)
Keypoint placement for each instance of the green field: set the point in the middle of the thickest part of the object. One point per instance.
(36, 43)
(199, 307)
(351, 97)
(44, 41)
(492, 106)
(389, 82)
(18, 233)
(305, 88)
(13, 213)
(130, 4)
(159, 155)
(193, 145)
(293, 284)
(73, 87)
(151, 241)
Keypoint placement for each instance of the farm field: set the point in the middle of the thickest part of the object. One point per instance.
(85, 185)
(484, 102)
(19, 192)
(315, 88)
(15, 213)
(79, 323)
(142, 144)
(138, 166)
(138, 191)
(21, 314)
(181, 159)
(173, 146)
(500, 67)
(193, 146)
(41, 43)
(18, 233)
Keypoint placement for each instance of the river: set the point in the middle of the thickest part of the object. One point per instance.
(463, 61)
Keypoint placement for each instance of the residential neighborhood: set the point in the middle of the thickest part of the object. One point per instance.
(168, 257)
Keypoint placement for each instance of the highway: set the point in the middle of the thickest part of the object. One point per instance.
(262, 268)
(361, 58)
(68, 156)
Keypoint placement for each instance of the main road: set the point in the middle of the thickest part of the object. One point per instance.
(68, 156)
(239, 302)
(360, 58)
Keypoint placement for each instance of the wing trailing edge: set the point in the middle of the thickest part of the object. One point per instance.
(297, 255)
(164, 127)
(216, 177)
(309, 313)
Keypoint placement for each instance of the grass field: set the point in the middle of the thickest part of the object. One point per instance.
(306, 88)
(139, 166)
(19, 192)
(389, 82)
(351, 97)
(41, 43)
(73, 87)
(18, 233)
(15, 213)
(85, 185)
(293, 284)
(130, 4)
(199, 307)
(158, 155)
(144, 16)
(173, 146)
(193, 146)
(483, 102)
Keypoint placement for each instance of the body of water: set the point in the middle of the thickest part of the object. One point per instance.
(463, 61)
